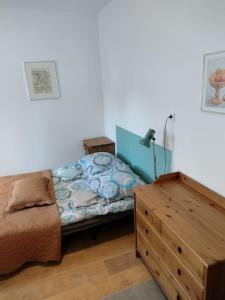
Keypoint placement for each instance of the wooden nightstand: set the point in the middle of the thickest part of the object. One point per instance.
(101, 144)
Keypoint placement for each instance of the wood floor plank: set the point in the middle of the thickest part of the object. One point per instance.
(121, 262)
(89, 270)
(72, 260)
(108, 286)
(56, 284)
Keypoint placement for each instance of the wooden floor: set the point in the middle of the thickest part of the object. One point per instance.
(90, 269)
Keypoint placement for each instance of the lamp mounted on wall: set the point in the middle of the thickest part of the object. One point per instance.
(146, 141)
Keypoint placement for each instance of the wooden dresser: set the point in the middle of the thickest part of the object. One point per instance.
(180, 235)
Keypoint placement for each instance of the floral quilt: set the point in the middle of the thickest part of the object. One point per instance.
(97, 184)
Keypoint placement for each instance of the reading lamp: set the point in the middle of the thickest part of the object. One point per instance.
(146, 141)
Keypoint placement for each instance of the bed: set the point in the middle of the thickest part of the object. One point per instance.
(31, 234)
(95, 190)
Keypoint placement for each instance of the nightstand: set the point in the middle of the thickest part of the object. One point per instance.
(101, 144)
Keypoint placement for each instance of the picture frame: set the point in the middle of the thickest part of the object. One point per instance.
(42, 80)
(213, 99)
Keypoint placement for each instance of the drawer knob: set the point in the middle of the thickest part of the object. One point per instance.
(146, 252)
(179, 272)
(180, 250)
(146, 231)
(146, 212)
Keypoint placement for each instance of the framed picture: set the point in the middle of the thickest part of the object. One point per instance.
(42, 82)
(214, 83)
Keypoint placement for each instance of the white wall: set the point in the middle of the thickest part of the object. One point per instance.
(43, 134)
(152, 63)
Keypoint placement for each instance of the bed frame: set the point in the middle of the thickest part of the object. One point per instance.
(139, 158)
(94, 222)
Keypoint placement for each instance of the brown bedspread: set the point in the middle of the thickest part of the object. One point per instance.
(32, 234)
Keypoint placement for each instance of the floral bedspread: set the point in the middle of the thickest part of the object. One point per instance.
(97, 184)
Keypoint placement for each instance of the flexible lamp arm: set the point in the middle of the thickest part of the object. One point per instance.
(146, 141)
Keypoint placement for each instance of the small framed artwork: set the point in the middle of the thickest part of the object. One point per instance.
(42, 81)
(214, 83)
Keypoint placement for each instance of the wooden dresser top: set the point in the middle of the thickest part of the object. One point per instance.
(194, 212)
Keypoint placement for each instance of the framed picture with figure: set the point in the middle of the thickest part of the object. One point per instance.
(214, 83)
(42, 81)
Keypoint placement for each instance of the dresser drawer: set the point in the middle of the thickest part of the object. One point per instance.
(189, 258)
(142, 225)
(168, 283)
(147, 214)
(186, 279)
(184, 252)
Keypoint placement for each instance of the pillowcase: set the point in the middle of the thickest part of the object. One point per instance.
(96, 163)
(100, 162)
(29, 192)
(68, 172)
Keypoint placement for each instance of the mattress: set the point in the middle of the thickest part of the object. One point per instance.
(95, 185)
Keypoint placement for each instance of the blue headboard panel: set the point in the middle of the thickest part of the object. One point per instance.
(139, 157)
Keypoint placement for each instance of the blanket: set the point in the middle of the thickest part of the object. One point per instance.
(97, 184)
(32, 234)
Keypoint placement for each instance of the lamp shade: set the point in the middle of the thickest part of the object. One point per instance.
(146, 141)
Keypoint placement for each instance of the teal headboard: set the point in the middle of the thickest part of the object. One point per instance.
(139, 157)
